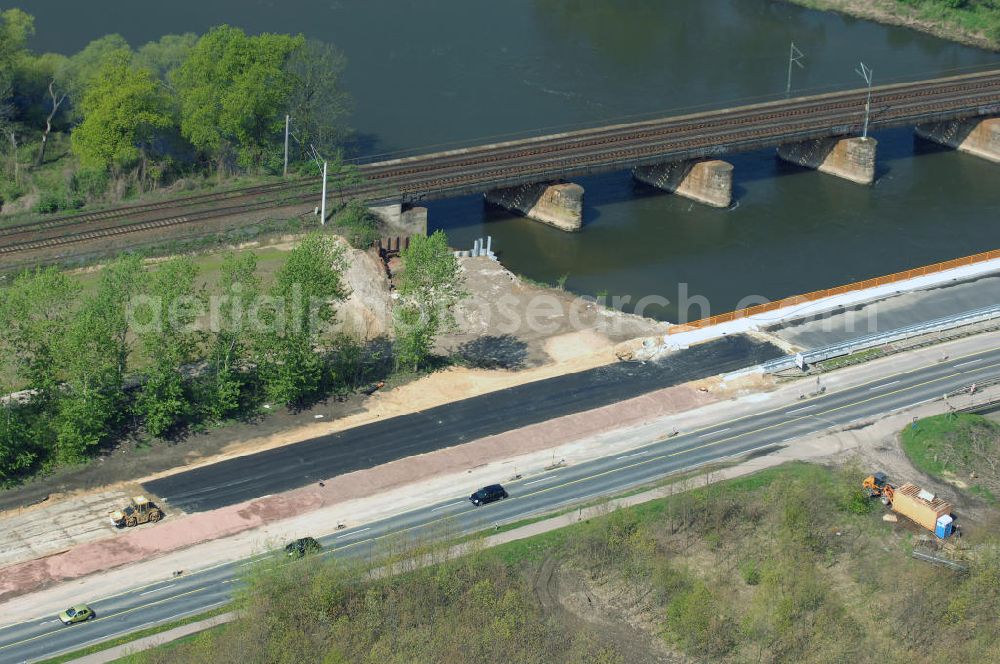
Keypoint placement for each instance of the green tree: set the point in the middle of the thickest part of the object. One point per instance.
(164, 56)
(35, 313)
(302, 312)
(19, 450)
(45, 82)
(123, 110)
(430, 286)
(16, 27)
(84, 67)
(234, 90)
(317, 103)
(121, 282)
(232, 346)
(166, 325)
(91, 400)
(94, 354)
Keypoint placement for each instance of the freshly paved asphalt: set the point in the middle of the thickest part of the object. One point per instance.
(300, 464)
(891, 313)
(199, 591)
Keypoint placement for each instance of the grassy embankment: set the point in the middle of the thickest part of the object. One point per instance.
(975, 22)
(790, 564)
(962, 449)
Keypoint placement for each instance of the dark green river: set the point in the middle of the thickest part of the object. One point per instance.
(431, 74)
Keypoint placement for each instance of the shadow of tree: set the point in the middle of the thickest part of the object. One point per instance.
(503, 351)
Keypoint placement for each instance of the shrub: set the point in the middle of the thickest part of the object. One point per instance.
(696, 621)
(750, 572)
(360, 225)
(54, 200)
(90, 182)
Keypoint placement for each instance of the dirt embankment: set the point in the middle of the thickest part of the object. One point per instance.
(508, 323)
(893, 12)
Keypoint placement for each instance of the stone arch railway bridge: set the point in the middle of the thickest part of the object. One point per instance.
(680, 154)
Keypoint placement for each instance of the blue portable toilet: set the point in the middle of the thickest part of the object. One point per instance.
(944, 526)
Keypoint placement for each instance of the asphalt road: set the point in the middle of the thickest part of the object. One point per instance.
(194, 593)
(293, 466)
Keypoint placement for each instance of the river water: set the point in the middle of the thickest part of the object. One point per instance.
(428, 74)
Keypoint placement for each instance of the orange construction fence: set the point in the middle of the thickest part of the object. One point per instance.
(838, 290)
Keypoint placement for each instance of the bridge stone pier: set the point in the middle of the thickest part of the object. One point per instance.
(705, 181)
(559, 204)
(977, 136)
(849, 158)
(405, 222)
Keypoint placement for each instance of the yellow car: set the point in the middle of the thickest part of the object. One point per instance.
(75, 614)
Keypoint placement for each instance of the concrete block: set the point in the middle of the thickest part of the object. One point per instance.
(559, 205)
(849, 158)
(977, 136)
(709, 182)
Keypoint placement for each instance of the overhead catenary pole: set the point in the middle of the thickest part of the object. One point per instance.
(865, 72)
(288, 119)
(322, 205)
(794, 58)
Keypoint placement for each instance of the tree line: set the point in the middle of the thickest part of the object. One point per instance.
(141, 117)
(150, 351)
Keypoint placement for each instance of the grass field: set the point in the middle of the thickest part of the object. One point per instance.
(962, 448)
(269, 260)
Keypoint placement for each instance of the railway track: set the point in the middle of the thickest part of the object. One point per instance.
(587, 150)
(106, 218)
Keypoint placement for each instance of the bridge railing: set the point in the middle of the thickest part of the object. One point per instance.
(837, 290)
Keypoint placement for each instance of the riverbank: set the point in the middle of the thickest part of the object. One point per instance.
(974, 24)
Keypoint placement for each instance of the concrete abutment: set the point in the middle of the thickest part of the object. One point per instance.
(849, 158)
(402, 221)
(977, 136)
(559, 204)
(709, 182)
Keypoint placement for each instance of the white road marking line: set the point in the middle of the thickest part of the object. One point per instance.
(712, 433)
(800, 409)
(356, 532)
(879, 387)
(963, 364)
(544, 479)
(49, 621)
(150, 592)
(444, 507)
(629, 456)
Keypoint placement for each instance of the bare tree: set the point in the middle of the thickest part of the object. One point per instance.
(56, 103)
(12, 134)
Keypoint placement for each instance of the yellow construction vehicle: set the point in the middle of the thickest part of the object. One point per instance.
(878, 485)
(140, 510)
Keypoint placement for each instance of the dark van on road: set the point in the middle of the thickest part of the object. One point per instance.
(488, 494)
